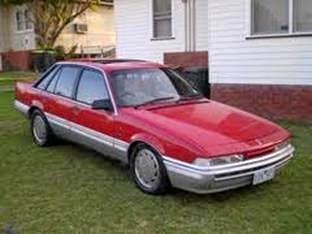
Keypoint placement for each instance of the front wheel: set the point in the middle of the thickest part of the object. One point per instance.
(148, 170)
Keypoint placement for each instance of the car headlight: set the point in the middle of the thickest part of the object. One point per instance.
(205, 162)
(282, 145)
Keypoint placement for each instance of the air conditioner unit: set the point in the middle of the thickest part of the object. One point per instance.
(81, 28)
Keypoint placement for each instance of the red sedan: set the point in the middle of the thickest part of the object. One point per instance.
(146, 115)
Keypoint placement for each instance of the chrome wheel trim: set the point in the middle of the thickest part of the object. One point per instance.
(39, 129)
(147, 169)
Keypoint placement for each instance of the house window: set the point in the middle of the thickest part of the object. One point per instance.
(303, 15)
(23, 20)
(19, 20)
(28, 22)
(281, 16)
(162, 18)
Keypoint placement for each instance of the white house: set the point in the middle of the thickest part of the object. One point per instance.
(260, 51)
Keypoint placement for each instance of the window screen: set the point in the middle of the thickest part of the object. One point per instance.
(303, 15)
(270, 16)
(91, 87)
(162, 17)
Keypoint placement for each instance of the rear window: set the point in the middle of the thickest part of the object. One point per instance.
(66, 82)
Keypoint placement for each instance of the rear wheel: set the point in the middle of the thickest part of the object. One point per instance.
(148, 170)
(41, 132)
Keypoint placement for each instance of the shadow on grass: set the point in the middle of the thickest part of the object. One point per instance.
(101, 161)
(95, 158)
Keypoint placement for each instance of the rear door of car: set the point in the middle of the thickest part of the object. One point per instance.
(93, 128)
(58, 99)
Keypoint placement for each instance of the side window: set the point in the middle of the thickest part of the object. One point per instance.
(47, 78)
(91, 87)
(66, 82)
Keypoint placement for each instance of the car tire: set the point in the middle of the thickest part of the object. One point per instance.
(40, 129)
(152, 178)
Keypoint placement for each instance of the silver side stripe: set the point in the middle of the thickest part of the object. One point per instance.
(121, 145)
(92, 137)
(87, 132)
(21, 107)
(57, 121)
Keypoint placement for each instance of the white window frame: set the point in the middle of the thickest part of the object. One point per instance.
(291, 24)
(23, 21)
(151, 16)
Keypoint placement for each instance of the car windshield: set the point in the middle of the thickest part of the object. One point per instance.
(138, 87)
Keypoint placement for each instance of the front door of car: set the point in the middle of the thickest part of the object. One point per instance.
(58, 99)
(92, 127)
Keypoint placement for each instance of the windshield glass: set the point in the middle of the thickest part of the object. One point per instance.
(145, 86)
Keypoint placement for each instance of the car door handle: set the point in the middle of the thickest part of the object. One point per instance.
(75, 110)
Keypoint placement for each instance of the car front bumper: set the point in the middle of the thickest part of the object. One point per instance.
(203, 180)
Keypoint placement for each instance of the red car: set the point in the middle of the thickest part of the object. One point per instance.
(146, 115)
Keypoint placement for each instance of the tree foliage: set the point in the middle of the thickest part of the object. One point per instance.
(51, 17)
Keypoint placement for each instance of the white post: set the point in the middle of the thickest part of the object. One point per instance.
(291, 26)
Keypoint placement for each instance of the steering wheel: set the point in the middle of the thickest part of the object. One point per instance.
(127, 94)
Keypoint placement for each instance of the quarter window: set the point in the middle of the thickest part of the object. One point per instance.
(48, 77)
(162, 18)
(52, 83)
(66, 82)
(91, 87)
(281, 16)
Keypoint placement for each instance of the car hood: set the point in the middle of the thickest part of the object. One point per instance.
(213, 126)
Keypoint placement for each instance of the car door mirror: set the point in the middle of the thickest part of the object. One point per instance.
(104, 104)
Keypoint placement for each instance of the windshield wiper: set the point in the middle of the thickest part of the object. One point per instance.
(192, 96)
(154, 101)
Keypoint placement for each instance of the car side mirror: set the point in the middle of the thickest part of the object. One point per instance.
(104, 104)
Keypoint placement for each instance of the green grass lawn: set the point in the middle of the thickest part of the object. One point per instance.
(69, 189)
(16, 75)
(9, 78)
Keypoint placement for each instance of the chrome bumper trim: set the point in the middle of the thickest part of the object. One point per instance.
(21, 107)
(219, 178)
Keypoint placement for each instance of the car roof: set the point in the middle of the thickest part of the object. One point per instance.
(113, 65)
